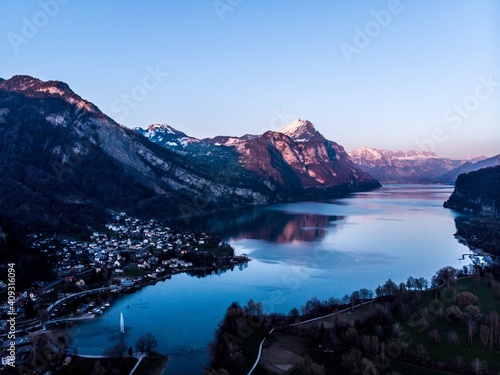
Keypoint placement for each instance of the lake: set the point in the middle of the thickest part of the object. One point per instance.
(298, 251)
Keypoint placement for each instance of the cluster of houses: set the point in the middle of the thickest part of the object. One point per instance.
(127, 243)
(34, 293)
(146, 247)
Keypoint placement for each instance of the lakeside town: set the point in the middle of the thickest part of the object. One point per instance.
(125, 256)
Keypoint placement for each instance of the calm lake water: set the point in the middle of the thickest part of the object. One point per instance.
(298, 251)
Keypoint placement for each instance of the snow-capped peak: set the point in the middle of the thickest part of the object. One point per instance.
(166, 128)
(375, 154)
(299, 130)
(367, 153)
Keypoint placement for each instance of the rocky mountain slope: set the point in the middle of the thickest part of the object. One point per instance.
(295, 161)
(405, 167)
(64, 164)
(477, 192)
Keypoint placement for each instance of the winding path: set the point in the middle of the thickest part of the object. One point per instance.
(297, 324)
(140, 357)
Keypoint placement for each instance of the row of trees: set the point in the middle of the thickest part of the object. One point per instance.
(364, 345)
(145, 344)
(240, 328)
(116, 355)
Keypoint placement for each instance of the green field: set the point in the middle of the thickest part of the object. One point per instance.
(285, 347)
(444, 351)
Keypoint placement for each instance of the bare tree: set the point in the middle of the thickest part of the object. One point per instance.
(467, 298)
(454, 314)
(496, 289)
(489, 279)
(497, 333)
(421, 354)
(493, 327)
(453, 339)
(410, 283)
(98, 369)
(477, 366)
(474, 313)
(351, 359)
(365, 294)
(458, 362)
(471, 329)
(367, 367)
(117, 352)
(434, 337)
(146, 343)
(308, 367)
(477, 276)
(422, 283)
(484, 335)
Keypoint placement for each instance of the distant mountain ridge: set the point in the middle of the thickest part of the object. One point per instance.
(408, 167)
(295, 160)
(373, 154)
(470, 166)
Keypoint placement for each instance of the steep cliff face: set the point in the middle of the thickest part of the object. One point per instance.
(323, 162)
(477, 192)
(294, 162)
(65, 163)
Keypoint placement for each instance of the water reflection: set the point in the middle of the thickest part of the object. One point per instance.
(202, 273)
(415, 192)
(297, 251)
(272, 224)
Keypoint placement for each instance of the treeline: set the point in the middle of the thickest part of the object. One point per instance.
(480, 233)
(237, 338)
(477, 192)
(370, 342)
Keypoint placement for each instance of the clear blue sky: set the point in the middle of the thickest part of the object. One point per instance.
(251, 65)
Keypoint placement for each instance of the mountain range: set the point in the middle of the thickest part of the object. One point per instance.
(295, 161)
(416, 166)
(65, 164)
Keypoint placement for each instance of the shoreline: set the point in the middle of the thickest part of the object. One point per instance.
(474, 250)
(240, 261)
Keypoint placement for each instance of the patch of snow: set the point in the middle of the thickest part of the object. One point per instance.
(232, 141)
(55, 119)
(292, 127)
(51, 90)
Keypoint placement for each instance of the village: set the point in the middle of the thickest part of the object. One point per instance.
(122, 257)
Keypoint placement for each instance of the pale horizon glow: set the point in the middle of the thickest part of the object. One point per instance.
(394, 75)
